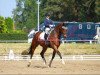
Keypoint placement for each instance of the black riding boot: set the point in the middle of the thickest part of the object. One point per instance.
(46, 41)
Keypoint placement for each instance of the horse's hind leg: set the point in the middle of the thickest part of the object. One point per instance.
(42, 54)
(33, 47)
(31, 57)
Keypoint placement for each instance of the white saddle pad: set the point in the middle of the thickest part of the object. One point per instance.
(42, 36)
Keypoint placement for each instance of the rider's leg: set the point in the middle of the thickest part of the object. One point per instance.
(47, 30)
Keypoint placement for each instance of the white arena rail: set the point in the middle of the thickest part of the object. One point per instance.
(38, 57)
(25, 41)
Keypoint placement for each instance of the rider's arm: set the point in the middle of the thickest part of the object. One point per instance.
(46, 23)
(51, 24)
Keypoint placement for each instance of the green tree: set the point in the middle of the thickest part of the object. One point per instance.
(17, 14)
(71, 10)
(55, 7)
(10, 24)
(25, 14)
(97, 9)
(3, 27)
(30, 14)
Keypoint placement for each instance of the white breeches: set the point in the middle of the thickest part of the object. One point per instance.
(47, 30)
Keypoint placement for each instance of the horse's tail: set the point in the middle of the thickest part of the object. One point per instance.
(30, 49)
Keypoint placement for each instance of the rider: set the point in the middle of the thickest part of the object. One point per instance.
(48, 26)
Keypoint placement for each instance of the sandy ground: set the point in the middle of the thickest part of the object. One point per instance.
(37, 67)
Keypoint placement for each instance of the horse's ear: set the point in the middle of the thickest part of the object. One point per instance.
(64, 24)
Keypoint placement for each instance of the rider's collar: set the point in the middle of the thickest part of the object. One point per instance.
(47, 18)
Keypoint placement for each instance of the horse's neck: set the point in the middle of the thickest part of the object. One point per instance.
(57, 33)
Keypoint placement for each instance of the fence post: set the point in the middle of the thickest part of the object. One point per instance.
(90, 41)
(98, 41)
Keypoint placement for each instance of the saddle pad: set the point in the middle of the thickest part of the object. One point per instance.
(42, 36)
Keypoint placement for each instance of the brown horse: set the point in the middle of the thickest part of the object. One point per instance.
(54, 42)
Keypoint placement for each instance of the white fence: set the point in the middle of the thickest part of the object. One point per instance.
(89, 41)
(38, 57)
(13, 41)
(26, 41)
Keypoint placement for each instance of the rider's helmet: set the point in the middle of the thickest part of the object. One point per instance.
(47, 14)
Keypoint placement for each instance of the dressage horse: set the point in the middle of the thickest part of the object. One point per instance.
(54, 42)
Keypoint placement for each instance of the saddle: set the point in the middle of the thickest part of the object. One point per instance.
(44, 36)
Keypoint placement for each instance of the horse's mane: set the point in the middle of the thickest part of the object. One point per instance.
(56, 30)
(59, 26)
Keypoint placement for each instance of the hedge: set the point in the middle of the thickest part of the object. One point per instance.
(6, 36)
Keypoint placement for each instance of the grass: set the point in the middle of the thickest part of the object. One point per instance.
(67, 49)
(80, 48)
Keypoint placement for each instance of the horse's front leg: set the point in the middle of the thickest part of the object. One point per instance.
(53, 55)
(57, 51)
(60, 57)
(42, 54)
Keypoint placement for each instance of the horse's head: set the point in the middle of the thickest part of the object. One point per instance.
(63, 30)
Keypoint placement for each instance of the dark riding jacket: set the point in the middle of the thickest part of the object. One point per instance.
(48, 22)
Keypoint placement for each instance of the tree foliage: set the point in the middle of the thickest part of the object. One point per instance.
(72, 10)
(97, 9)
(10, 24)
(25, 14)
(3, 27)
(6, 25)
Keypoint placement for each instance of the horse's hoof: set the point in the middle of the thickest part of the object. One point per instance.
(63, 62)
(28, 65)
(49, 66)
(44, 63)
